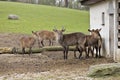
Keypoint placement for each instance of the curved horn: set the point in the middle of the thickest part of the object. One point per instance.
(54, 29)
(63, 28)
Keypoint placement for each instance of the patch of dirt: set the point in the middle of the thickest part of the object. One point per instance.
(45, 66)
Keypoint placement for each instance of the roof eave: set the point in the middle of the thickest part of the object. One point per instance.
(90, 2)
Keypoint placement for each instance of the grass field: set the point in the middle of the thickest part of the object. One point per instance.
(39, 17)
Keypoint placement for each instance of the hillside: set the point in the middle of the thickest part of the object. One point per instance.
(38, 17)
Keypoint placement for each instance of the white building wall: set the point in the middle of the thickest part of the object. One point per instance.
(116, 50)
(96, 22)
(96, 11)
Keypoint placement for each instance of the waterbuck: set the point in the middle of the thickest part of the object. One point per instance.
(73, 39)
(96, 41)
(44, 35)
(27, 42)
(93, 41)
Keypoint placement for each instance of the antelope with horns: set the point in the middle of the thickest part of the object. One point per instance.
(93, 41)
(73, 39)
(96, 41)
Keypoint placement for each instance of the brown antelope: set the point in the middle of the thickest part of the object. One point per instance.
(27, 42)
(93, 41)
(97, 41)
(78, 39)
(44, 35)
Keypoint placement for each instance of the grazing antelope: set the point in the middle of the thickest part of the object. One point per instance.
(27, 42)
(44, 35)
(78, 39)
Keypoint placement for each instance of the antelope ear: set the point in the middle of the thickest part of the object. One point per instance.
(89, 30)
(99, 29)
(33, 32)
(63, 29)
(55, 30)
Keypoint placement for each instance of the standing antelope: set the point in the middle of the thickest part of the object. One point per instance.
(97, 41)
(78, 39)
(93, 41)
(44, 35)
(27, 42)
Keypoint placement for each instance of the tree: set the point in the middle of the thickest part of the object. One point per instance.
(66, 3)
(36, 1)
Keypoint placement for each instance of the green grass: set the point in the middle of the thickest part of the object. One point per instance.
(39, 17)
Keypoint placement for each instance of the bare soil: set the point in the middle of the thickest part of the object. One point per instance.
(43, 66)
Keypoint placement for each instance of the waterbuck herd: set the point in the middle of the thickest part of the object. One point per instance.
(81, 41)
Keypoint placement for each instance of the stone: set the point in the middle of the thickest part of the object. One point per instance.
(13, 17)
(101, 70)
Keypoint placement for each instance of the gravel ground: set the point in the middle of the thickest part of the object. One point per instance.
(43, 66)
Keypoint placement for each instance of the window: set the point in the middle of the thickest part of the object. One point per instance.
(103, 18)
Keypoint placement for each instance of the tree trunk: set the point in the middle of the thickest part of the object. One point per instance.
(36, 1)
(66, 3)
(34, 50)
